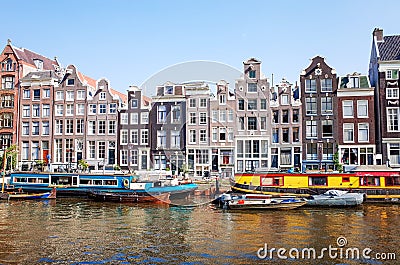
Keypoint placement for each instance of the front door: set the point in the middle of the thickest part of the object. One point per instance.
(111, 156)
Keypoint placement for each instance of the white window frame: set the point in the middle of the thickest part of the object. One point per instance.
(359, 105)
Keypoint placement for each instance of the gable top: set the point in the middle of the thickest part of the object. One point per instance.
(252, 61)
(389, 48)
(29, 57)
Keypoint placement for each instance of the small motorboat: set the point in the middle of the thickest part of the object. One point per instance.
(259, 202)
(337, 198)
(19, 195)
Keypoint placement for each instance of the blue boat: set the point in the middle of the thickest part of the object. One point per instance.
(80, 185)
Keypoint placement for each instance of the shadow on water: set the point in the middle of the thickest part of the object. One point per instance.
(71, 231)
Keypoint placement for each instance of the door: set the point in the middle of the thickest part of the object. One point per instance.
(111, 156)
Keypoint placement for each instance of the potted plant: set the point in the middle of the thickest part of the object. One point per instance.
(83, 164)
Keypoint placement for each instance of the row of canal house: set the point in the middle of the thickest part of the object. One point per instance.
(60, 116)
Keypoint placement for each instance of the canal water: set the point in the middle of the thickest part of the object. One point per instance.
(71, 231)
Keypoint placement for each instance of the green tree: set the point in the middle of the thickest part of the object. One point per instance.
(11, 157)
(338, 166)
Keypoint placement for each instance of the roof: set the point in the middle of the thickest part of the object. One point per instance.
(39, 75)
(364, 82)
(28, 57)
(90, 81)
(123, 97)
(389, 48)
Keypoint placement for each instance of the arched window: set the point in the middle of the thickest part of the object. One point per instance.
(9, 65)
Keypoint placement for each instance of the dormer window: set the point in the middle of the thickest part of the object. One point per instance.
(252, 74)
(70, 82)
(169, 90)
(354, 82)
(38, 63)
(392, 74)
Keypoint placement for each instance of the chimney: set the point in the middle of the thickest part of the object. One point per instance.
(378, 33)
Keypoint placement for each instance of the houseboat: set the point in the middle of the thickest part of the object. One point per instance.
(377, 182)
(72, 185)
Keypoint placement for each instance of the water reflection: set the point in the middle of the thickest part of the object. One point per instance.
(69, 231)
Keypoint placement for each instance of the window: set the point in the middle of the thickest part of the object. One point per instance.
(203, 118)
(113, 108)
(295, 132)
(275, 116)
(317, 181)
(230, 134)
(252, 87)
(347, 109)
(124, 118)
(59, 126)
(69, 109)
(326, 105)
(45, 110)
(392, 74)
(241, 123)
(295, 116)
(203, 136)
(92, 149)
(214, 134)
(176, 114)
(124, 136)
(354, 82)
(222, 134)
(134, 136)
(311, 86)
(214, 115)
(203, 103)
(79, 126)
(192, 136)
(202, 156)
(230, 115)
(70, 95)
(362, 108)
(26, 111)
(192, 118)
(91, 127)
(252, 123)
(311, 129)
(59, 110)
(45, 128)
(46, 93)
(102, 96)
(7, 82)
(134, 103)
(25, 128)
(394, 154)
(222, 99)
(363, 132)
(241, 104)
(161, 139)
(92, 108)
(80, 109)
(134, 118)
(7, 101)
(252, 104)
(263, 104)
(392, 93)
(102, 127)
(285, 99)
(222, 115)
(9, 66)
(192, 103)
(275, 135)
(112, 127)
(286, 156)
(285, 116)
(285, 135)
(348, 132)
(134, 157)
(124, 157)
(326, 85)
(263, 123)
(252, 74)
(26, 94)
(311, 151)
(393, 119)
(70, 82)
(327, 128)
(161, 114)
(169, 90)
(103, 108)
(36, 94)
(175, 139)
(69, 126)
(311, 106)
(144, 118)
(59, 95)
(239, 148)
(144, 136)
(81, 94)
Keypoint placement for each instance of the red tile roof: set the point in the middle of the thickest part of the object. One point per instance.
(28, 56)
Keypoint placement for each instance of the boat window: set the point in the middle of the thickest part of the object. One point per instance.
(345, 179)
(110, 182)
(370, 181)
(32, 180)
(271, 181)
(393, 181)
(317, 181)
(97, 182)
(20, 180)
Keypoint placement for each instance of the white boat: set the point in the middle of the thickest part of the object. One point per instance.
(336, 198)
(259, 202)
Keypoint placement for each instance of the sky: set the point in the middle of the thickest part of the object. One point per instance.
(131, 41)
